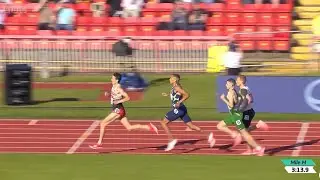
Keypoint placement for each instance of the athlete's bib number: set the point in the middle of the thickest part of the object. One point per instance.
(175, 111)
(116, 110)
(246, 117)
(238, 122)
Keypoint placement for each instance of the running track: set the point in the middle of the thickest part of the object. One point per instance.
(74, 136)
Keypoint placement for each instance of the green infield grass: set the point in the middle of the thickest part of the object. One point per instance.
(145, 167)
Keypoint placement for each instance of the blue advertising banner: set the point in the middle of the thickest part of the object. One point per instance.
(278, 94)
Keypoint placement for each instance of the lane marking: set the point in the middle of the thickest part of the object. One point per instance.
(33, 122)
(83, 137)
(300, 138)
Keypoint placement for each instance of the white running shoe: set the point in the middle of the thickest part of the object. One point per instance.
(211, 140)
(171, 145)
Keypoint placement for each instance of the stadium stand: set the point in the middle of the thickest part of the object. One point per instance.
(306, 11)
(225, 19)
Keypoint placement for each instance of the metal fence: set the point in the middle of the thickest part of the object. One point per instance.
(96, 55)
(93, 54)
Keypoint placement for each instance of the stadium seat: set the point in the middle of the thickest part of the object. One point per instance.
(162, 33)
(149, 14)
(147, 30)
(130, 31)
(97, 31)
(148, 21)
(63, 33)
(233, 18)
(215, 31)
(29, 30)
(233, 5)
(283, 8)
(230, 30)
(44, 32)
(82, 28)
(160, 7)
(80, 33)
(113, 31)
(281, 45)
(131, 21)
(249, 19)
(284, 35)
(196, 33)
(13, 21)
(265, 8)
(165, 16)
(98, 21)
(251, 8)
(247, 45)
(216, 19)
(249, 33)
(282, 18)
(115, 21)
(265, 19)
(214, 7)
(13, 30)
(179, 33)
(83, 6)
(83, 20)
(30, 19)
(264, 45)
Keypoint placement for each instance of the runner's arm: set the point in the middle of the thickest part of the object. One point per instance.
(184, 94)
(125, 95)
(229, 102)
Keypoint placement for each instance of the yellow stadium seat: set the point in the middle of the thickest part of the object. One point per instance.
(304, 28)
(309, 2)
(303, 22)
(302, 36)
(307, 9)
(307, 15)
(304, 56)
(301, 49)
(304, 42)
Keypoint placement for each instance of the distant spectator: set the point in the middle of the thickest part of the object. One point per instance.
(232, 59)
(98, 9)
(131, 8)
(65, 18)
(2, 17)
(275, 2)
(115, 7)
(197, 18)
(166, 1)
(179, 19)
(3, 13)
(46, 16)
(206, 1)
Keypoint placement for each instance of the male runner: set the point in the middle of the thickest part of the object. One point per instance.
(248, 112)
(177, 95)
(118, 97)
(236, 104)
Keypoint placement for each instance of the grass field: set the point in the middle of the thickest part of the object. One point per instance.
(201, 103)
(141, 167)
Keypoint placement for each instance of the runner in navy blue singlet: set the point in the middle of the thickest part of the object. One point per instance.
(177, 96)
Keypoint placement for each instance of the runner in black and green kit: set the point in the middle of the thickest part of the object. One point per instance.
(236, 103)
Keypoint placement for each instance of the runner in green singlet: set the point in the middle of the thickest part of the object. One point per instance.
(236, 104)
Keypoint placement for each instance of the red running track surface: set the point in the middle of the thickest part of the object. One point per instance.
(75, 136)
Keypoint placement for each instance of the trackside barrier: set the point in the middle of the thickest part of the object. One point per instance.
(160, 54)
